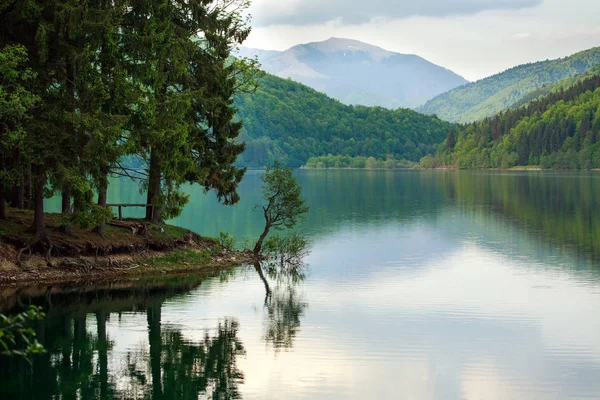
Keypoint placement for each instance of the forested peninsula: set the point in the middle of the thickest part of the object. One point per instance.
(88, 84)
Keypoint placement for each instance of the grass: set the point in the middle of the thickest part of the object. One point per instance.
(159, 250)
(84, 242)
(187, 256)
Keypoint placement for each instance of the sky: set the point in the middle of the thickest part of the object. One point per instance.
(474, 38)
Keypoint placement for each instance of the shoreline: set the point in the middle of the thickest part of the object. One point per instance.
(130, 249)
(150, 264)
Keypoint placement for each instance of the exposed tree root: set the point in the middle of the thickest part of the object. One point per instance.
(38, 240)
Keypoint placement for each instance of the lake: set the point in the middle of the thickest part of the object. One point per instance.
(419, 285)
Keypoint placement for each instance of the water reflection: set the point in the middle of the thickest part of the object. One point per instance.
(429, 285)
(284, 305)
(163, 360)
(81, 361)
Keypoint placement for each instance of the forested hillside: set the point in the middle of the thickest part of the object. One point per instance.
(491, 95)
(561, 130)
(290, 122)
(557, 86)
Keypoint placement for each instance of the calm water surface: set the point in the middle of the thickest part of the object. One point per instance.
(420, 285)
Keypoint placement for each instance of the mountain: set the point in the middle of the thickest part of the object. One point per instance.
(560, 130)
(287, 121)
(359, 73)
(557, 86)
(491, 95)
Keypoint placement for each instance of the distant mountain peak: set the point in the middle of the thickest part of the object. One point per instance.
(356, 72)
(335, 44)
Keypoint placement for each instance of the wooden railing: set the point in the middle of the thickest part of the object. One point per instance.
(121, 206)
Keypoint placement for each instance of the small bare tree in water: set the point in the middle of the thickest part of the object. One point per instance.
(283, 204)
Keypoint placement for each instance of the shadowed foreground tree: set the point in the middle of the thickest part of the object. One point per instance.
(15, 101)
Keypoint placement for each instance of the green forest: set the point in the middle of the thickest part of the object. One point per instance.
(284, 120)
(358, 162)
(86, 84)
(491, 95)
(560, 130)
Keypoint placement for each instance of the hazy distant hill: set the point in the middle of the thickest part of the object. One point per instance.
(560, 130)
(557, 86)
(287, 121)
(359, 73)
(491, 95)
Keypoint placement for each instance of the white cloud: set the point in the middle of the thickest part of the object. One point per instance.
(309, 12)
(475, 46)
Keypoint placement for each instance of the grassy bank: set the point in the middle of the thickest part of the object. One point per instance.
(129, 248)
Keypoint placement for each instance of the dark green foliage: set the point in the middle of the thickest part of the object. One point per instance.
(358, 162)
(16, 101)
(227, 241)
(491, 95)
(150, 79)
(557, 86)
(290, 122)
(17, 337)
(561, 130)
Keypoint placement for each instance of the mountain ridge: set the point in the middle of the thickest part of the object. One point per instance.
(488, 96)
(356, 72)
(290, 122)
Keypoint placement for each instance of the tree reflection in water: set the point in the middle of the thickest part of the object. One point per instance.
(164, 361)
(81, 363)
(284, 305)
(176, 368)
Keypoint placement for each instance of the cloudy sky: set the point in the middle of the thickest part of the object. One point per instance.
(475, 38)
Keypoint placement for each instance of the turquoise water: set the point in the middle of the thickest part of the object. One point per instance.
(419, 285)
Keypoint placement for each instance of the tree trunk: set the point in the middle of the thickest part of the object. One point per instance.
(102, 196)
(39, 225)
(27, 188)
(2, 191)
(17, 195)
(153, 213)
(66, 210)
(2, 203)
(258, 246)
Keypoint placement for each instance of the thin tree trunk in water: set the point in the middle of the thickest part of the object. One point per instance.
(155, 341)
(102, 195)
(66, 210)
(258, 246)
(153, 213)
(39, 225)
